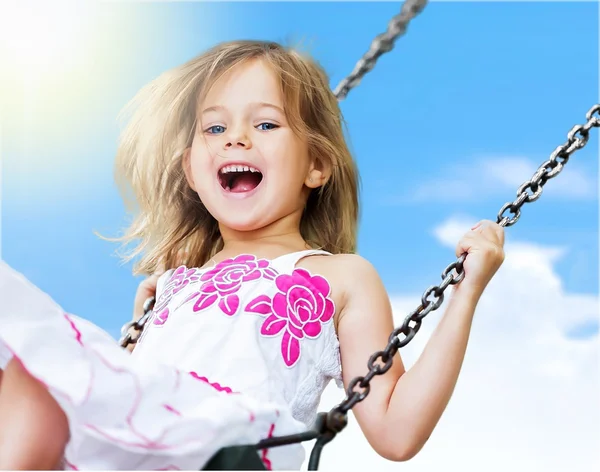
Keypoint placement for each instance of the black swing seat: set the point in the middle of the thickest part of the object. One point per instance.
(236, 458)
(246, 457)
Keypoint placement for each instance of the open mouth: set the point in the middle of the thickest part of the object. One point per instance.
(239, 178)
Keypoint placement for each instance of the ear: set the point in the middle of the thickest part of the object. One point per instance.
(187, 168)
(318, 174)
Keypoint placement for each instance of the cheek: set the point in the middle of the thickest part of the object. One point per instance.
(292, 158)
(201, 166)
(289, 171)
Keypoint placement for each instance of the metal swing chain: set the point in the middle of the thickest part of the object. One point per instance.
(137, 325)
(382, 43)
(329, 424)
(530, 191)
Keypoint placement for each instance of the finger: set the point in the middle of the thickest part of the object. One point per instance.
(490, 230)
(465, 244)
(477, 226)
(493, 232)
(489, 251)
(482, 225)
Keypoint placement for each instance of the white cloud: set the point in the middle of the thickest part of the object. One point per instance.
(528, 396)
(496, 176)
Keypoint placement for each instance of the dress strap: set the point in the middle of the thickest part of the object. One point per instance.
(288, 262)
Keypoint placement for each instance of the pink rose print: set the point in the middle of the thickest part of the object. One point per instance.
(298, 310)
(161, 317)
(180, 279)
(224, 281)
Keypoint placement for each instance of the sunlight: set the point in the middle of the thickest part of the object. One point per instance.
(41, 34)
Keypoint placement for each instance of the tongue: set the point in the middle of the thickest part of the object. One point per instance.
(245, 182)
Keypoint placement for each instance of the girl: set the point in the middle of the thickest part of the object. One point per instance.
(237, 160)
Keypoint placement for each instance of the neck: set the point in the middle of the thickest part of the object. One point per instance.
(280, 236)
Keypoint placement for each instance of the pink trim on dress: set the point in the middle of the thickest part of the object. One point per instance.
(214, 385)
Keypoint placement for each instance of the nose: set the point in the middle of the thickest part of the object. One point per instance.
(237, 138)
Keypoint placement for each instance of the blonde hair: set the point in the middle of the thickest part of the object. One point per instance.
(171, 226)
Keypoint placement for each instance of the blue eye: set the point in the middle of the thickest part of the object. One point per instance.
(216, 129)
(267, 126)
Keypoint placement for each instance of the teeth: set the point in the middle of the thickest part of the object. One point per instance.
(236, 168)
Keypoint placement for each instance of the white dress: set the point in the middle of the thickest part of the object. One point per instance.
(232, 354)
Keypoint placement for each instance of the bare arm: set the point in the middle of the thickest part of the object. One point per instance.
(422, 394)
(403, 408)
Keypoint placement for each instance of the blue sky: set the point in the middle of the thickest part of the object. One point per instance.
(470, 85)
(447, 126)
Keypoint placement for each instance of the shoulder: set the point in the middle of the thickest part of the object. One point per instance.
(348, 275)
(352, 268)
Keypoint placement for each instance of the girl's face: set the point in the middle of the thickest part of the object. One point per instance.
(246, 164)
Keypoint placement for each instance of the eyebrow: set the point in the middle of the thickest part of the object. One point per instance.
(252, 105)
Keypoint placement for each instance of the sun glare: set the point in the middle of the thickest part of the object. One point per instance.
(41, 34)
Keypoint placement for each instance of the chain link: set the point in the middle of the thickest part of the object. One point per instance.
(433, 297)
(531, 190)
(382, 43)
(138, 325)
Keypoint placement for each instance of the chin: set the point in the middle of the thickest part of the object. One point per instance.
(241, 223)
(241, 215)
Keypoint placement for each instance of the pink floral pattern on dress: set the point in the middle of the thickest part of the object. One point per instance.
(224, 280)
(298, 310)
(181, 278)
